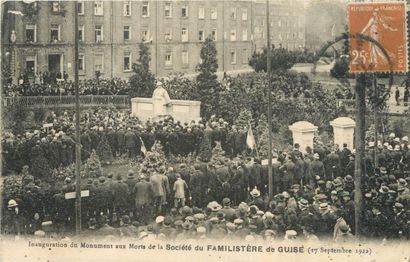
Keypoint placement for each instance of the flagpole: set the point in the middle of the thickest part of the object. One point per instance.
(77, 128)
(268, 87)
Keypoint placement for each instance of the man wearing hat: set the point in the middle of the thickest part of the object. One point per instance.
(120, 140)
(12, 219)
(181, 190)
(288, 170)
(131, 181)
(130, 142)
(228, 210)
(160, 187)
(400, 220)
(197, 187)
(316, 167)
(102, 196)
(345, 236)
(143, 193)
(120, 196)
(332, 165)
(257, 200)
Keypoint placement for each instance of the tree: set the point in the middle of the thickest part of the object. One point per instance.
(154, 160)
(92, 167)
(180, 87)
(104, 150)
(205, 149)
(282, 59)
(218, 154)
(142, 82)
(244, 119)
(207, 83)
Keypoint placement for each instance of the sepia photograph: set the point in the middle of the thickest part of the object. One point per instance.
(208, 130)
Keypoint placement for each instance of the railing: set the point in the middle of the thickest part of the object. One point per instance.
(392, 106)
(123, 101)
(68, 101)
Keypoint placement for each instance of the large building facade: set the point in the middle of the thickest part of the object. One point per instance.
(38, 36)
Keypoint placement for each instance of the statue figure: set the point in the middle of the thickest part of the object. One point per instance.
(160, 101)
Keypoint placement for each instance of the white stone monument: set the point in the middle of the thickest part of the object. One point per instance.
(303, 133)
(160, 106)
(343, 130)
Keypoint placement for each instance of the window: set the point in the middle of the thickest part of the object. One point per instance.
(127, 61)
(168, 34)
(127, 32)
(145, 35)
(213, 35)
(201, 12)
(145, 9)
(244, 34)
(99, 33)
(168, 59)
(98, 8)
(81, 33)
(233, 35)
(185, 57)
(184, 11)
(300, 35)
(127, 8)
(184, 35)
(244, 56)
(233, 57)
(31, 34)
(280, 23)
(55, 6)
(233, 13)
(168, 9)
(55, 33)
(214, 14)
(244, 14)
(201, 35)
(80, 7)
(31, 65)
(81, 62)
(99, 62)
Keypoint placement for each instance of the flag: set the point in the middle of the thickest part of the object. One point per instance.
(250, 139)
(333, 30)
(143, 148)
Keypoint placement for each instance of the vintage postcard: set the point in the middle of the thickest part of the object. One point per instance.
(204, 130)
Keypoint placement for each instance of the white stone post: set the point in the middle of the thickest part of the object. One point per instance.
(303, 133)
(343, 130)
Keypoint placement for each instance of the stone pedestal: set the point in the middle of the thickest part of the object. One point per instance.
(180, 110)
(343, 130)
(303, 133)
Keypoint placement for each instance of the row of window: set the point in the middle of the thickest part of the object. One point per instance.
(145, 11)
(293, 22)
(98, 60)
(55, 35)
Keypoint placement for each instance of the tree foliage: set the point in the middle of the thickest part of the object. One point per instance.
(282, 59)
(142, 82)
(207, 83)
(180, 87)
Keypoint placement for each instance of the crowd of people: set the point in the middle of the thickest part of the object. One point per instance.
(44, 85)
(223, 198)
(125, 134)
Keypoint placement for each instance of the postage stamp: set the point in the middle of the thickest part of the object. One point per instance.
(378, 41)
